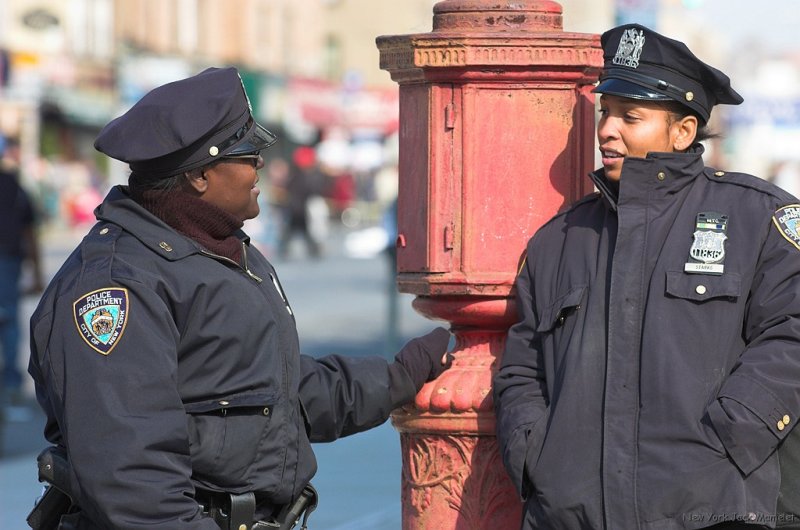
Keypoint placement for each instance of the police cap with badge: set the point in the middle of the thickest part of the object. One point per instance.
(186, 124)
(642, 64)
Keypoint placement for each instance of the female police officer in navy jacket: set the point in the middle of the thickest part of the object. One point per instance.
(653, 380)
(165, 352)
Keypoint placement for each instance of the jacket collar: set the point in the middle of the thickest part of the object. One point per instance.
(120, 209)
(664, 173)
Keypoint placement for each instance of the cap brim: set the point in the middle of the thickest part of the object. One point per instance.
(258, 139)
(626, 89)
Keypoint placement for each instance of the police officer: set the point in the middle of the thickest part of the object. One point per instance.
(653, 380)
(165, 351)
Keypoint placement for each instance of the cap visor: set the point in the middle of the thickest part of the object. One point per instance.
(626, 89)
(258, 139)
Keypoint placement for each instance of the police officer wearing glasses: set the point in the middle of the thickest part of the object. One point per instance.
(165, 352)
(653, 380)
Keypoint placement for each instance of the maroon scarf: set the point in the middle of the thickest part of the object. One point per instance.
(212, 227)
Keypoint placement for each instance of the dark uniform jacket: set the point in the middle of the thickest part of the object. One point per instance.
(162, 368)
(633, 394)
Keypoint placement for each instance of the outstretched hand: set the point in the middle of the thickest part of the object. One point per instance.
(426, 357)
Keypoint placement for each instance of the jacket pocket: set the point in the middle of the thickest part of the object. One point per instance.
(702, 287)
(557, 313)
(535, 444)
(225, 436)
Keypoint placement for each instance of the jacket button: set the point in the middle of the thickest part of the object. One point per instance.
(661, 175)
(242, 527)
(224, 403)
(786, 419)
(700, 289)
(165, 246)
(104, 231)
(781, 426)
(719, 174)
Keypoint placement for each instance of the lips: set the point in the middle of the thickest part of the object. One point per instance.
(610, 153)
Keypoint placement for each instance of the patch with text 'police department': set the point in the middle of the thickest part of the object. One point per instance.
(787, 220)
(101, 317)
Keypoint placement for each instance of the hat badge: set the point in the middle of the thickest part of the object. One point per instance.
(630, 48)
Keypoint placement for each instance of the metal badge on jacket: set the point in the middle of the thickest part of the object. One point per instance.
(101, 317)
(707, 253)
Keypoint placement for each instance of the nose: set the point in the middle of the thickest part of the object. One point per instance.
(606, 129)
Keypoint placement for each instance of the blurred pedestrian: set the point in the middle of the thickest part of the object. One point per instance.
(19, 249)
(786, 175)
(389, 222)
(653, 380)
(165, 351)
(304, 182)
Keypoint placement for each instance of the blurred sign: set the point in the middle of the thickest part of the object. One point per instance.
(780, 112)
(324, 104)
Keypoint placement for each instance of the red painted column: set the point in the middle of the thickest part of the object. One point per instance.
(496, 135)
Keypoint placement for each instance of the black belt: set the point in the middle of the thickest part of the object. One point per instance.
(233, 511)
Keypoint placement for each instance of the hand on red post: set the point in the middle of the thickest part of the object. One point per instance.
(426, 357)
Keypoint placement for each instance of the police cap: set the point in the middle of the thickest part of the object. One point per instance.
(185, 125)
(642, 64)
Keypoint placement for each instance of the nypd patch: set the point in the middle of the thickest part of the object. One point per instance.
(787, 220)
(101, 317)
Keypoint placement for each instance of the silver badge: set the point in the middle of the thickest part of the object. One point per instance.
(630, 48)
(708, 246)
(708, 249)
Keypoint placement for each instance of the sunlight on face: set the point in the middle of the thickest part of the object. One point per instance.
(632, 128)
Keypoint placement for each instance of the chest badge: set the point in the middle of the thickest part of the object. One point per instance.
(787, 220)
(101, 317)
(707, 253)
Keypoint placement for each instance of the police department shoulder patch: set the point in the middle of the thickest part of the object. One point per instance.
(787, 220)
(101, 317)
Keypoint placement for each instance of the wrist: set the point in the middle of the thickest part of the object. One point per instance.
(402, 389)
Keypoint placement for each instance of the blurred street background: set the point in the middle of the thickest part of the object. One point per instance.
(67, 67)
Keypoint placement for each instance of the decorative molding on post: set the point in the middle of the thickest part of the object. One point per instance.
(496, 135)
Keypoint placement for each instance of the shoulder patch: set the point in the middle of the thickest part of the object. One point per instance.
(787, 221)
(101, 317)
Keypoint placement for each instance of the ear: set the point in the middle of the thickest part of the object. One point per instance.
(197, 180)
(684, 131)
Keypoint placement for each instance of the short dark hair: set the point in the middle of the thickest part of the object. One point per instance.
(140, 182)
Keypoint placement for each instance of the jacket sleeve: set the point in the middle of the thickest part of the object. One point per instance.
(520, 392)
(120, 414)
(759, 402)
(344, 395)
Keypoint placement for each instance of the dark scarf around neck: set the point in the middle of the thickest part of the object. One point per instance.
(212, 227)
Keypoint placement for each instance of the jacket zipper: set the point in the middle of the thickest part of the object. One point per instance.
(245, 268)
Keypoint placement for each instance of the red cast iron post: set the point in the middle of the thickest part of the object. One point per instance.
(496, 135)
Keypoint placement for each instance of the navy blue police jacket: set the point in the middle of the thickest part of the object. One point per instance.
(633, 394)
(163, 368)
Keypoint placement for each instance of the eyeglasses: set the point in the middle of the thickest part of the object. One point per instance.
(254, 156)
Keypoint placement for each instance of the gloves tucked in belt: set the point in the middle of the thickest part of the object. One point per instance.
(421, 360)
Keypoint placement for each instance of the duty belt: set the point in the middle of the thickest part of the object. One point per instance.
(233, 511)
(230, 511)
